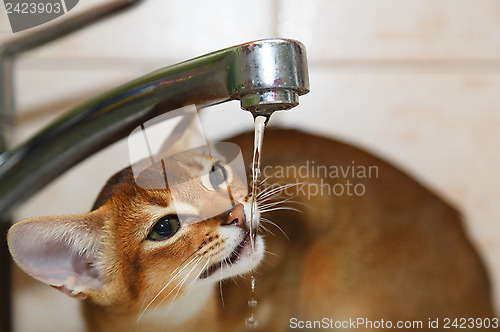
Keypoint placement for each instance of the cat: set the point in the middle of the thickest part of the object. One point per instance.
(370, 245)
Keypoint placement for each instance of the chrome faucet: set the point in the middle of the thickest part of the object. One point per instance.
(265, 75)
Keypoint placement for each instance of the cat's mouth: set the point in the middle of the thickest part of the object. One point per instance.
(232, 259)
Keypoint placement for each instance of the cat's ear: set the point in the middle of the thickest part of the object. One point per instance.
(186, 135)
(60, 251)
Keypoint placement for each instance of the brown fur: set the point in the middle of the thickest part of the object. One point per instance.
(398, 252)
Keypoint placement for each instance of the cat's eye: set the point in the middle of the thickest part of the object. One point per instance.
(217, 175)
(164, 228)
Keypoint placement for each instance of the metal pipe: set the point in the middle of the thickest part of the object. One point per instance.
(264, 75)
(10, 49)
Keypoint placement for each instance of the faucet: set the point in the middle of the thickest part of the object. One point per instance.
(265, 75)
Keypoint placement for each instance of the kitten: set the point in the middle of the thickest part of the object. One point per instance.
(143, 261)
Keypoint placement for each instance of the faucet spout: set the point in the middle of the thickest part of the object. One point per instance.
(266, 76)
(276, 74)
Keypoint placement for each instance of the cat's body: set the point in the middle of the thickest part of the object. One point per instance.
(391, 250)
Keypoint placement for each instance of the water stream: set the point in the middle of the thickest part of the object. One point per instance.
(260, 123)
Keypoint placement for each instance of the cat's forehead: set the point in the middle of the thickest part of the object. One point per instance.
(194, 160)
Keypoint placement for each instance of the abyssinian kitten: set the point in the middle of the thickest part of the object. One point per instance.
(387, 251)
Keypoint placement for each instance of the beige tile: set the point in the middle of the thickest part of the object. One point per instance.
(44, 92)
(394, 29)
(5, 30)
(167, 31)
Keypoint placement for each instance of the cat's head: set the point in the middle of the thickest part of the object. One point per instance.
(144, 247)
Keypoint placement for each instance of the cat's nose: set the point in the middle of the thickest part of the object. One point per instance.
(236, 217)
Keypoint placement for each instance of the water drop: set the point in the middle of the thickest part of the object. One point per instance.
(251, 322)
(252, 303)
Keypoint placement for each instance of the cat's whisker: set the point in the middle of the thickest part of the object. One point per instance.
(277, 226)
(276, 184)
(278, 206)
(287, 208)
(289, 200)
(277, 189)
(271, 253)
(203, 268)
(279, 200)
(266, 229)
(171, 280)
(189, 287)
(165, 287)
(184, 261)
(260, 183)
(266, 192)
(179, 286)
(144, 301)
(269, 205)
(235, 281)
(270, 192)
(185, 266)
(268, 200)
(266, 261)
(191, 255)
(220, 284)
(264, 179)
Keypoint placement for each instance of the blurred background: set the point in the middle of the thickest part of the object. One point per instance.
(415, 82)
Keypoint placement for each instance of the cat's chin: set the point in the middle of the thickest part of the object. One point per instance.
(243, 259)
